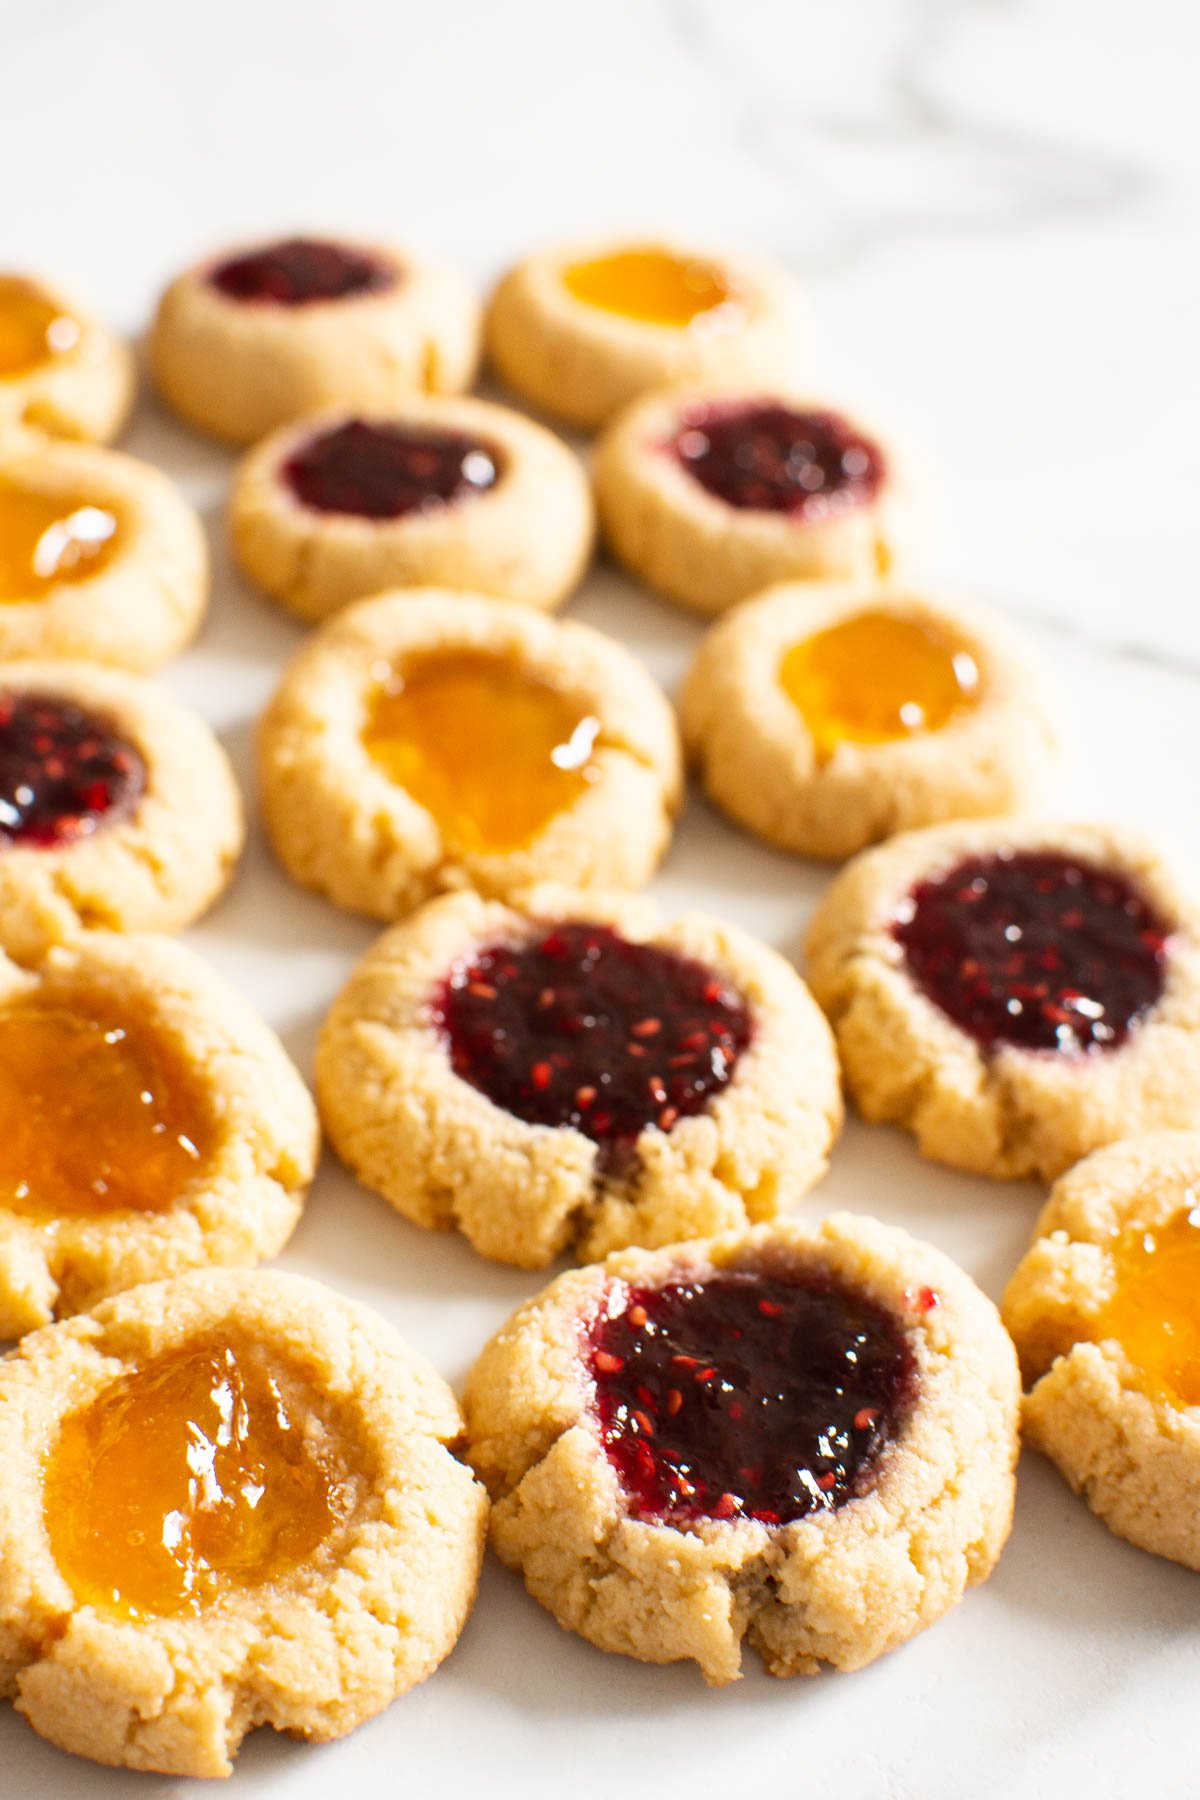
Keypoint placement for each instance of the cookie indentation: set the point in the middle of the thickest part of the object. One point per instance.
(492, 752)
(745, 1396)
(94, 1117)
(809, 465)
(653, 287)
(203, 1471)
(46, 539)
(64, 771)
(298, 271)
(389, 471)
(581, 1027)
(876, 677)
(33, 329)
(1035, 949)
(1152, 1310)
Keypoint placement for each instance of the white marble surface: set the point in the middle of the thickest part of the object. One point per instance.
(994, 208)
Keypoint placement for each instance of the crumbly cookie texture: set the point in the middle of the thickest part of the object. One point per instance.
(155, 869)
(446, 1156)
(527, 538)
(581, 362)
(245, 1197)
(833, 1588)
(238, 369)
(1133, 1454)
(694, 548)
(339, 825)
(147, 601)
(758, 761)
(313, 1652)
(84, 388)
(1012, 1113)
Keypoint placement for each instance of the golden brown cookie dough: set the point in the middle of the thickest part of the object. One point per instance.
(448, 1153)
(60, 370)
(118, 807)
(311, 1543)
(150, 1123)
(1102, 1309)
(584, 791)
(922, 1487)
(580, 329)
(503, 508)
(305, 323)
(100, 556)
(1005, 1107)
(827, 717)
(701, 498)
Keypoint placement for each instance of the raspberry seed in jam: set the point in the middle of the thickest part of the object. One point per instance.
(580, 1027)
(386, 471)
(746, 1396)
(809, 465)
(1036, 950)
(298, 271)
(63, 771)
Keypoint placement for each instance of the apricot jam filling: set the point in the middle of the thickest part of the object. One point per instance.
(33, 330)
(46, 539)
(95, 1115)
(1035, 949)
(64, 772)
(580, 1027)
(653, 287)
(205, 1472)
(1152, 1311)
(746, 1396)
(389, 471)
(764, 456)
(299, 271)
(492, 752)
(877, 677)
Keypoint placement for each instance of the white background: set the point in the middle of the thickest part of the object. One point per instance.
(993, 207)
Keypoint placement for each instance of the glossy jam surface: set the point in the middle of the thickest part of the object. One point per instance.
(746, 1396)
(877, 677)
(299, 271)
(493, 753)
(94, 1115)
(64, 772)
(46, 540)
(654, 288)
(33, 330)
(387, 471)
(1034, 949)
(809, 465)
(192, 1476)
(1153, 1312)
(581, 1027)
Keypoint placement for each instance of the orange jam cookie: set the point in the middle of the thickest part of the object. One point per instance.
(427, 741)
(1102, 1309)
(149, 1123)
(60, 370)
(231, 1499)
(247, 340)
(100, 556)
(434, 492)
(824, 718)
(710, 492)
(580, 330)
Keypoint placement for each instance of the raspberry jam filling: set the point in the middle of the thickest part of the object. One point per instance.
(298, 271)
(64, 772)
(386, 471)
(746, 1396)
(33, 330)
(768, 457)
(580, 1027)
(1035, 949)
(655, 288)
